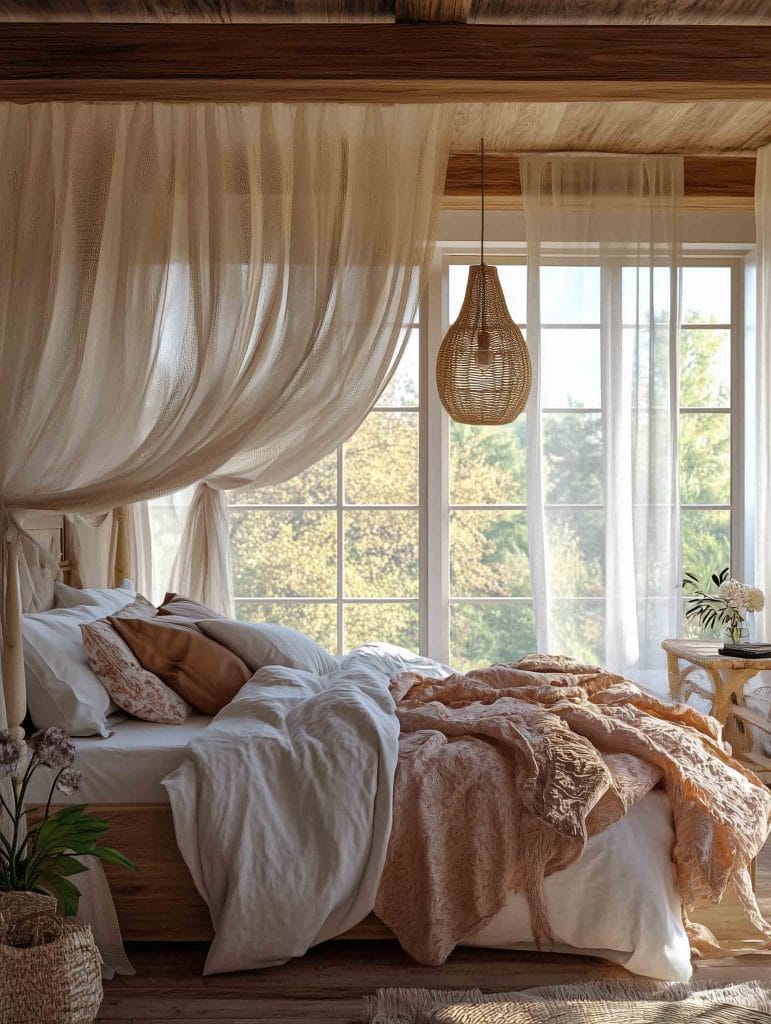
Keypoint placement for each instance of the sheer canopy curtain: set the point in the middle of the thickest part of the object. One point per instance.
(359, 237)
(762, 384)
(619, 217)
(184, 283)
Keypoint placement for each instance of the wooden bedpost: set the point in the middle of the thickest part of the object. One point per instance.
(122, 550)
(14, 688)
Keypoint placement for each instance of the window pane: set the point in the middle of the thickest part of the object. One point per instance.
(513, 278)
(640, 305)
(705, 367)
(166, 523)
(381, 554)
(706, 540)
(381, 460)
(578, 629)
(487, 464)
(576, 552)
(573, 457)
(570, 295)
(388, 623)
(706, 295)
(402, 389)
(457, 277)
(283, 554)
(490, 632)
(488, 554)
(314, 486)
(705, 458)
(319, 621)
(571, 369)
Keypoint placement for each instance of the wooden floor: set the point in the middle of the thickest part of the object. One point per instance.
(328, 983)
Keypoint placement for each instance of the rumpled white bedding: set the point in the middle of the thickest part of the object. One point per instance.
(282, 810)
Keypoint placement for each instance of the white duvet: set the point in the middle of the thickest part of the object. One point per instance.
(282, 811)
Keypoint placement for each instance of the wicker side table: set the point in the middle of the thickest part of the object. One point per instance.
(728, 677)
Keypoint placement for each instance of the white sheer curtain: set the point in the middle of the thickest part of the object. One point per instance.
(183, 283)
(621, 215)
(364, 223)
(761, 468)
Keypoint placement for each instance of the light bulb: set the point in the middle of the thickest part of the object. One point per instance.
(483, 356)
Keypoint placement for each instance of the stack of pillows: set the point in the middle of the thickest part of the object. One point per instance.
(103, 651)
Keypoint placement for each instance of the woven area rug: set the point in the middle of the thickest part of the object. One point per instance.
(603, 1002)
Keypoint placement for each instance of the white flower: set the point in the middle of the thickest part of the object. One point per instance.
(740, 597)
(53, 748)
(69, 781)
(10, 754)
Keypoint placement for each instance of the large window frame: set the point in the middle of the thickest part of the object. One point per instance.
(340, 508)
(434, 601)
(437, 600)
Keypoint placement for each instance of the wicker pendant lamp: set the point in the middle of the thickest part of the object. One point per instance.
(483, 371)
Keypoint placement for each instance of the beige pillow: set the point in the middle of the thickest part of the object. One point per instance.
(186, 607)
(203, 672)
(131, 687)
(265, 643)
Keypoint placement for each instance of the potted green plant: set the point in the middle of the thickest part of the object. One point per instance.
(50, 968)
(42, 857)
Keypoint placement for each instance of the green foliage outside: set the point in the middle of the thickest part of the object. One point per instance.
(293, 553)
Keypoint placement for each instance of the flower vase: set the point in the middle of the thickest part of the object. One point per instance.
(737, 632)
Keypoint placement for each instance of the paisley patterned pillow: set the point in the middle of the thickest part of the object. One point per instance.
(134, 689)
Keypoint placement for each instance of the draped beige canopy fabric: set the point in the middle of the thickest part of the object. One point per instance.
(184, 283)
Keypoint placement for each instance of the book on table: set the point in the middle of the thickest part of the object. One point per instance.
(745, 650)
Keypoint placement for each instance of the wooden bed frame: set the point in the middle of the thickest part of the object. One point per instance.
(160, 903)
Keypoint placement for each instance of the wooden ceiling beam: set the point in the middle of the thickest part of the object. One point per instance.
(407, 62)
(708, 181)
(433, 10)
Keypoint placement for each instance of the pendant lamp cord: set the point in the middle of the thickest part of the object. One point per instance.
(482, 243)
(482, 249)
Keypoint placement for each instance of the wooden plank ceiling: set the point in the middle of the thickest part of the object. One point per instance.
(697, 91)
(511, 12)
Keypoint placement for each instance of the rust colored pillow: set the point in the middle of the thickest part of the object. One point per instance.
(186, 608)
(203, 672)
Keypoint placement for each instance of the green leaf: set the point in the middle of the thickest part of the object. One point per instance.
(62, 865)
(65, 892)
(111, 856)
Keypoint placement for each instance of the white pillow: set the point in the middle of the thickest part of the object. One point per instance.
(108, 599)
(62, 690)
(265, 643)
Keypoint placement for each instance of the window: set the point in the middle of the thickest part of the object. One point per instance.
(490, 606)
(335, 551)
(710, 381)
(415, 530)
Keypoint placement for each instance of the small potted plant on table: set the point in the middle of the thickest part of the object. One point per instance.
(50, 968)
(728, 606)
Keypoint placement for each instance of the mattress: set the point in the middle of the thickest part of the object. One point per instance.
(127, 766)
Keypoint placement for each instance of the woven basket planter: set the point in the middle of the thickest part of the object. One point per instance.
(59, 982)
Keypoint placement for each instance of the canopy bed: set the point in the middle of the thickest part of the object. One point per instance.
(141, 824)
(253, 278)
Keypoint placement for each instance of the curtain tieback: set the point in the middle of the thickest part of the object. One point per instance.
(10, 527)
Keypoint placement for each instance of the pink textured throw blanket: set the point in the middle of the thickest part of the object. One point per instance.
(505, 772)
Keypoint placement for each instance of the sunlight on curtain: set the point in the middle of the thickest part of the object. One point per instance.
(187, 287)
(761, 468)
(619, 217)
